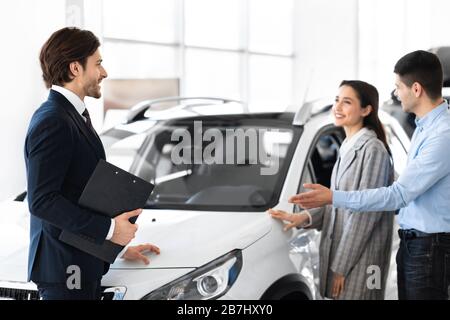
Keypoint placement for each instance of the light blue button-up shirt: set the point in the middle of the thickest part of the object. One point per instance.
(422, 191)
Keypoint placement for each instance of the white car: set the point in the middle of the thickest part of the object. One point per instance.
(209, 218)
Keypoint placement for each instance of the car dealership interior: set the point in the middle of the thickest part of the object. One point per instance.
(208, 73)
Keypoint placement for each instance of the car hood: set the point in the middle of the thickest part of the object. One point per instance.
(187, 239)
(190, 239)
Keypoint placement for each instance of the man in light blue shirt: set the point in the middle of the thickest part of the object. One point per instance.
(422, 192)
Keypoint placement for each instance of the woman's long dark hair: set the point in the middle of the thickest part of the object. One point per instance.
(368, 95)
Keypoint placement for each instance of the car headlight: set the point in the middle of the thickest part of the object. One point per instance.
(208, 282)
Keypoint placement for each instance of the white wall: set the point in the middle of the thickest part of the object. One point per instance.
(24, 25)
(325, 46)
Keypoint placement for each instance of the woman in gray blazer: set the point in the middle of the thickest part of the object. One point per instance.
(354, 248)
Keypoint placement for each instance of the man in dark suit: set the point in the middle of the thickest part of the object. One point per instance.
(62, 150)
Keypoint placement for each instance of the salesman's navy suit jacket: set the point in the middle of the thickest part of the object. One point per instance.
(61, 153)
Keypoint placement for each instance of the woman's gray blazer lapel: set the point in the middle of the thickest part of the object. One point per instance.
(349, 158)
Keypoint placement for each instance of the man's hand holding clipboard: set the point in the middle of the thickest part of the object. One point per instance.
(121, 196)
(124, 230)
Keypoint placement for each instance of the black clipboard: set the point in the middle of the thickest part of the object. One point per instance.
(110, 191)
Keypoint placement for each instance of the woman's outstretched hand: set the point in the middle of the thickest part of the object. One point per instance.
(293, 219)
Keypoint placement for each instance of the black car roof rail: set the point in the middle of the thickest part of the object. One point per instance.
(137, 112)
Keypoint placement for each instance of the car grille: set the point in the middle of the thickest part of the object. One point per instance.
(18, 294)
(24, 294)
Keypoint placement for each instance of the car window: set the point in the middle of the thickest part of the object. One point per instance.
(307, 177)
(324, 155)
(200, 167)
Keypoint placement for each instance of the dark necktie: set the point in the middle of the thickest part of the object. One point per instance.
(89, 125)
(88, 121)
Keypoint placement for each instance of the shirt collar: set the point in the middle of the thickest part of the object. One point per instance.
(429, 118)
(72, 97)
(348, 144)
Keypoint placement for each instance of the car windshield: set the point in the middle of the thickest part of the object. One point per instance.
(216, 163)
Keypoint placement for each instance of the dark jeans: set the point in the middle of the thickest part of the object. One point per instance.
(59, 291)
(423, 265)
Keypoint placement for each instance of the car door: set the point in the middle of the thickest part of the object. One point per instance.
(319, 163)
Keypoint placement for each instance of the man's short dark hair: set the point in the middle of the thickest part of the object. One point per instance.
(423, 67)
(61, 49)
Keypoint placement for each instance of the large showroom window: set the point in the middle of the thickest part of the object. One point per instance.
(213, 23)
(213, 72)
(150, 20)
(240, 49)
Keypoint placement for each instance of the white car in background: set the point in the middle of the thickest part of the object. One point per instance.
(210, 220)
